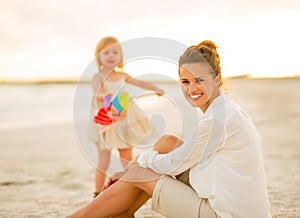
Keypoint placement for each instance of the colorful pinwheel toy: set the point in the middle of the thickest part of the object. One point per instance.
(112, 107)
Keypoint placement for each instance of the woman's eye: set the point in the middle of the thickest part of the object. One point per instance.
(199, 80)
(185, 82)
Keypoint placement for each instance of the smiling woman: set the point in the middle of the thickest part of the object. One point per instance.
(200, 81)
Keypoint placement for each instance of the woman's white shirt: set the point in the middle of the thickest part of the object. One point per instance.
(224, 155)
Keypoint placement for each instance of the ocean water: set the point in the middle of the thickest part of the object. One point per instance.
(34, 105)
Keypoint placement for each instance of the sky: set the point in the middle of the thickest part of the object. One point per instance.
(51, 39)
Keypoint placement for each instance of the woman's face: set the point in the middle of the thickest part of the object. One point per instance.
(199, 86)
(110, 56)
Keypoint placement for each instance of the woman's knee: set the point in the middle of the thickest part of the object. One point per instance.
(167, 143)
(142, 178)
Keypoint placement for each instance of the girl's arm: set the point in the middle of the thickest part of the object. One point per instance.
(143, 84)
(96, 84)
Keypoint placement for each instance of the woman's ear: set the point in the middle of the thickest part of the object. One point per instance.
(219, 79)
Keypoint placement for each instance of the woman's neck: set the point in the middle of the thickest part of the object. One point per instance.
(216, 94)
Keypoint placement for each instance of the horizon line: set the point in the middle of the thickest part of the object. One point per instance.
(74, 80)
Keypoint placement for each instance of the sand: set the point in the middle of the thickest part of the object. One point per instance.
(44, 173)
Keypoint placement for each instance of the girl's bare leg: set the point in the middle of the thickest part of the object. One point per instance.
(122, 195)
(102, 166)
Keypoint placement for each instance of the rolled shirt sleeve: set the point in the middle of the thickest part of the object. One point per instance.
(203, 142)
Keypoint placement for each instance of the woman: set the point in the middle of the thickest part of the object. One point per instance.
(219, 169)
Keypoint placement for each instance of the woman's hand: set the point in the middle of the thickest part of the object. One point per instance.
(134, 160)
(116, 176)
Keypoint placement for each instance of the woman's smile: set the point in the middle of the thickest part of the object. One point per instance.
(195, 96)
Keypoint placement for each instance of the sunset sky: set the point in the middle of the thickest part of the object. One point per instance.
(51, 39)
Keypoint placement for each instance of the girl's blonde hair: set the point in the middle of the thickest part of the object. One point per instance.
(104, 43)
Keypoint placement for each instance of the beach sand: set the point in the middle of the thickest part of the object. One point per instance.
(45, 174)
